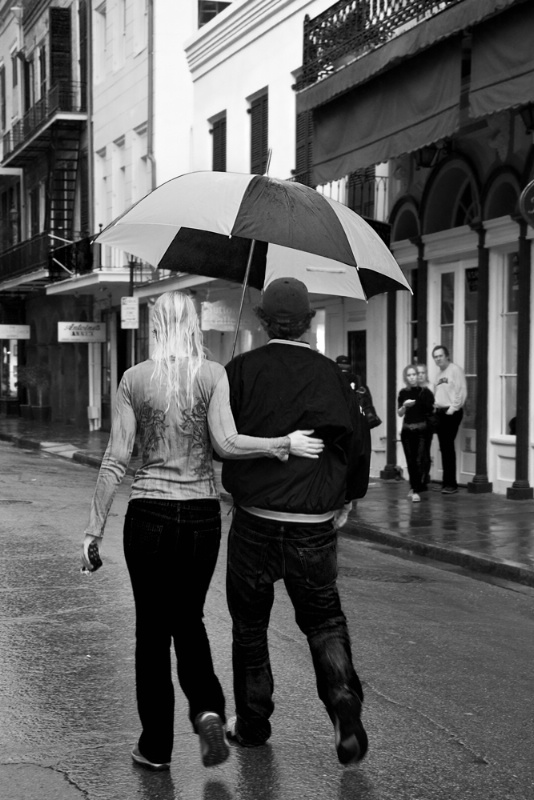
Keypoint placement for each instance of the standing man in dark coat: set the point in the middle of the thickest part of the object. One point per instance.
(285, 521)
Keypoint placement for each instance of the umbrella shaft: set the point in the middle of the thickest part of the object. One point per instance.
(245, 283)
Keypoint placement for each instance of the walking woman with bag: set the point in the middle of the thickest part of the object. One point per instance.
(416, 405)
(178, 403)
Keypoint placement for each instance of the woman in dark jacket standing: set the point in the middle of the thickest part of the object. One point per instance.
(415, 404)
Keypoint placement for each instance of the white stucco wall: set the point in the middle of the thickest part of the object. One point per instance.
(252, 45)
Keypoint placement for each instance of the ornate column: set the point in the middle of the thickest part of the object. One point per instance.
(521, 489)
(391, 469)
(422, 301)
(480, 483)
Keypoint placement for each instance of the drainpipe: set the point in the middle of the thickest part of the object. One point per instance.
(89, 96)
(150, 121)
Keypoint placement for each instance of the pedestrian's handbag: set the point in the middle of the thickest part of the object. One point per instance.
(366, 403)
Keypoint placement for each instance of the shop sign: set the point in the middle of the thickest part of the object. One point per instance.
(526, 203)
(222, 315)
(14, 331)
(81, 332)
(129, 312)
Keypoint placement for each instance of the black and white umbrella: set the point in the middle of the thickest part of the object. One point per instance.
(251, 229)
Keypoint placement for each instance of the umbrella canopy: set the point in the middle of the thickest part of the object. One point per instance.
(203, 223)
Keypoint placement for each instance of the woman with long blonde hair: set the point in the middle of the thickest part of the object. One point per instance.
(178, 403)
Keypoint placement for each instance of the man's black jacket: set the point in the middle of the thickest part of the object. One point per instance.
(286, 386)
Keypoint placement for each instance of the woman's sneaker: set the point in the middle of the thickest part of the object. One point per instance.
(213, 747)
(139, 758)
(415, 498)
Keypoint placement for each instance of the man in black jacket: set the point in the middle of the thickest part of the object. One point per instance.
(284, 526)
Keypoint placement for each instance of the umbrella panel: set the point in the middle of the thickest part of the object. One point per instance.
(215, 256)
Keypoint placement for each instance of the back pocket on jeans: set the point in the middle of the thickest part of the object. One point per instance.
(319, 564)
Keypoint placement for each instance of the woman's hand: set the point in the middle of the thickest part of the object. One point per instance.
(86, 563)
(302, 444)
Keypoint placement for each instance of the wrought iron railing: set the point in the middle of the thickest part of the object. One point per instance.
(62, 97)
(25, 257)
(350, 28)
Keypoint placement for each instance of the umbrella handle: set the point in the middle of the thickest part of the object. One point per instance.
(245, 284)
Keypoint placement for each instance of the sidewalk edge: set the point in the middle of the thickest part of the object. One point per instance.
(508, 570)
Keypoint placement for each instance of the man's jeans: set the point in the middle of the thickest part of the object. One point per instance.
(171, 549)
(261, 552)
(448, 425)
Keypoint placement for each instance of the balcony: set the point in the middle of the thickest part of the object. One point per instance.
(20, 260)
(351, 28)
(65, 101)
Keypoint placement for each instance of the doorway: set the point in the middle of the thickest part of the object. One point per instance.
(452, 322)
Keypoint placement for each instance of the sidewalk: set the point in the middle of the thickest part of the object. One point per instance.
(485, 533)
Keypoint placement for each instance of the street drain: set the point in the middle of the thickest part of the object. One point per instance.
(12, 502)
(379, 575)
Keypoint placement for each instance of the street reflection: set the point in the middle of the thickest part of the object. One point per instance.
(216, 790)
(258, 776)
(155, 785)
(355, 785)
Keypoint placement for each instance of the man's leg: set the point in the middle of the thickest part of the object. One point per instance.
(447, 431)
(310, 578)
(250, 594)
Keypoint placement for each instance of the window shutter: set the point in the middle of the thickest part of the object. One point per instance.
(303, 155)
(219, 145)
(61, 51)
(2, 98)
(259, 147)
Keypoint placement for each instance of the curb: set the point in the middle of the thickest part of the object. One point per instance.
(508, 570)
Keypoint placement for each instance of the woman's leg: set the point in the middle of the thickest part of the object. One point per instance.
(409, 444)
(198, 548)
(146, 529)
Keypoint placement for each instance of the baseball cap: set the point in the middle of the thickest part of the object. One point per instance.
(285, 299)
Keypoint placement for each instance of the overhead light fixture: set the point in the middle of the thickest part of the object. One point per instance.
(527, 115)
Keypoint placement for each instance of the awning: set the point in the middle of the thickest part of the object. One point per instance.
(502, 63)
(425, 34)
(412, 106)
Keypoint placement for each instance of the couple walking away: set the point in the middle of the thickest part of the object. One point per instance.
(291, 495)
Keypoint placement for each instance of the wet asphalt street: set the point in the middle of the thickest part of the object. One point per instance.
(446, 662)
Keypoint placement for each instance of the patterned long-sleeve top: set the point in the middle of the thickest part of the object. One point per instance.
(176, 443)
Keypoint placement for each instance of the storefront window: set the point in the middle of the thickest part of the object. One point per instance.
(509, 339)
(470, 356)
(447, 311)
(412, 333)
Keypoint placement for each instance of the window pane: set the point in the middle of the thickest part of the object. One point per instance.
(447, 298)
(447, 332)
(471, 402)
(471, 294)
(510, 403)
(470, 348)
(510, 344)
(512, 282)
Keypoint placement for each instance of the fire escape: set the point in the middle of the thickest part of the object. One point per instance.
(46, 142)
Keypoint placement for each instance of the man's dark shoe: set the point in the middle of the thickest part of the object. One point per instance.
(213, 747)
(233, 736)
(351, 744)
(449, 490)
(139, 758)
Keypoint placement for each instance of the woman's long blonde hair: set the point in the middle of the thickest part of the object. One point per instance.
(178, 340)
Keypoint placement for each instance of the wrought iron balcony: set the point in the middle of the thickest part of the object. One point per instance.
(351, 28)
(63, 97)
(25, 257)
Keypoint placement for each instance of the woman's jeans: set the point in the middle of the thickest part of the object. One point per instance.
(171, 549)
(415, 442)
(260, 552)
